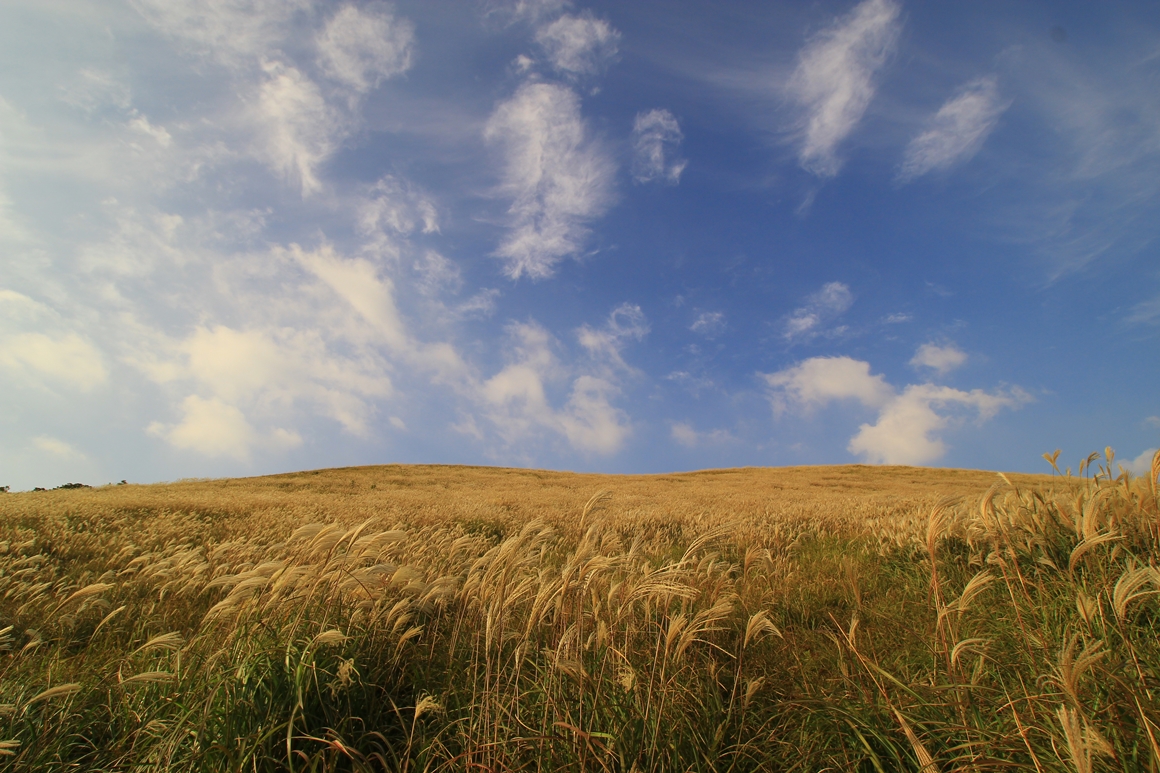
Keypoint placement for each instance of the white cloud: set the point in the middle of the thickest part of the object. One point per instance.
(362, 47)
(437, 273)
(1145, 312)
(517, 398)
(557, 177)
(956, 132)
(904, 431)
(271, 370)
(359, 283)
(140, 243)
(1153, 421)
(907, 423)
(709, 324)
(66, 359)
(589, 420)
(835, 79)
(626, 323)
(940, 359)
(684, 434)
(232, 32)
(1142, 464)
(93, 89)
(897, 318)
(653, 134)
(57, 447)
(827, 303)
(482, 304)
(393, 207)
(579, 45)
(517, 10)
(299, 130)
(211, 428)
(821, 380)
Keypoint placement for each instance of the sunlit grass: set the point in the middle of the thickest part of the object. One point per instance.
(428, 618)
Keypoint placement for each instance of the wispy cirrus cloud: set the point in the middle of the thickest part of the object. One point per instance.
(656, 136)
(1145, 312)
(836, 78)
(956, 132)
(298, 130)
(686, 435)
(709, 324)
(234, 33)
(557, 176)
(361, 47)
(579, 45)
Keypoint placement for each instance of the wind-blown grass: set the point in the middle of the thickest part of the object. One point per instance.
(418, 619)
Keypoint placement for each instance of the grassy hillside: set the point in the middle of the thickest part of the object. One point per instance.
(449, 618)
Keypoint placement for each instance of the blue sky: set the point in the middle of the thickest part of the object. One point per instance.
(250, 236)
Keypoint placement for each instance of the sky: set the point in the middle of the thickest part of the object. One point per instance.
(240, 237)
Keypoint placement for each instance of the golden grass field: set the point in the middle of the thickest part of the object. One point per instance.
(412, 618)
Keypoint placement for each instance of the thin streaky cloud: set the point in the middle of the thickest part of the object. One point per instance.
(955, 133)
(835, 80)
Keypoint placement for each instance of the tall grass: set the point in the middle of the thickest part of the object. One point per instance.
(172, 628)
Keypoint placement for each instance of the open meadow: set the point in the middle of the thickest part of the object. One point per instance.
(423, 618)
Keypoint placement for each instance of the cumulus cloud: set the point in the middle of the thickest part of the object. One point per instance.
(940, 359)
(272, 370)
(709, 324)
(905, 431)
(821, 380)
(557, 177)
(579, 45)
(324, 340)
(361, 47)
(835, 79)
(956, 132)
(517, 398)
(211, 428)
(821, 307)
(656, 135)
(1142, 464)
